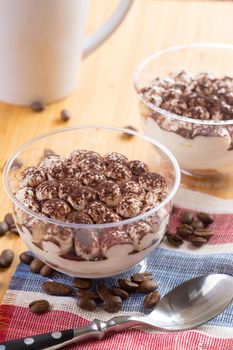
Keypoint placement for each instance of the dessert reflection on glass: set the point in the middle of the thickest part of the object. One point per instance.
(189, 111)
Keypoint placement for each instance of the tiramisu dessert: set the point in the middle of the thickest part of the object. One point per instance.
(204, 142)
(91, 190)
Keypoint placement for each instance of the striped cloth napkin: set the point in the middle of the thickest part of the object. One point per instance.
(170, 266)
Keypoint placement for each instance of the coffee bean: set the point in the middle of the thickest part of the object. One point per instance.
(26, 257)
(141, 277)
(203, 233)
(36, 265)
(6, 258)
(176, 241)
(46, 271)
(128, 136)
(55, 288)
(186, 217)
(9, 220)
(39, 306)
(113, 304)
(65, 115)
(3, 228)
(205, 218)
(197, 224)
(14, 230)
(128, 285)
(120, 292)
(184, 231)
(38, 106)
(198, 241)
(13, 227)
(151, 300)
(16, 164)
(104, 292)
(147, 287)
(82, 283)
(85, 293)
(86, 304)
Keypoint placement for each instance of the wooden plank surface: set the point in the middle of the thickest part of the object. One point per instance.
(105, 93)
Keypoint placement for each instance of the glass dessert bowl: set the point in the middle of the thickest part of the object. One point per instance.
(186, 102)
(87, 213)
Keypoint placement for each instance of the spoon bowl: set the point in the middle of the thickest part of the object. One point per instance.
(192, 303)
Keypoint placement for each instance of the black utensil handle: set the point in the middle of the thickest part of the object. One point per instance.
(56, 340)
(39, 342)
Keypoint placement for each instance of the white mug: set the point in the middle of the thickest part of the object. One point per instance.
(41, 45)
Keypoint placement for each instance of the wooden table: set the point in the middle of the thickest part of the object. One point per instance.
(105, 93)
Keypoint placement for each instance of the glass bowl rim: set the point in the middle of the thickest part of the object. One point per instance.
(7, 167)
(158, 54)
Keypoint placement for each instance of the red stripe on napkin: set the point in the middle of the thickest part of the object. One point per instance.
(27, 324)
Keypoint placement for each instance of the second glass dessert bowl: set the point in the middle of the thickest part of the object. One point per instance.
(194, 117)
(67, 229)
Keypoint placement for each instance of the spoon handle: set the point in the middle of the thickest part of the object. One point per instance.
(56, 340)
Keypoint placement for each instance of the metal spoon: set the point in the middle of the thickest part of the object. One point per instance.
(190, 304)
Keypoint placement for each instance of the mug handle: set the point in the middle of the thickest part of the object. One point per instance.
(98, 37)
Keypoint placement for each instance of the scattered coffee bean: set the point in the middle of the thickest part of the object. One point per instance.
(151, 300)
(176, 241)
(203, 233)
(13, 226)
(55, 288)
(3, 228)
(82, 283)
(125, 135)
(141, 277)
(205, 218)
(9, 220)
(46, 271)
(85, 293)
(198, 241)
(128, 285)
(184, 231)
(26, 258)
(39, 306)
(194, 229)
(113, 304)
(36, 265)
(147, 287)
(65, 115)
(112, 297)
(104, 292)
(6, 258)
(87, 304)
(186, 217)
(120, 292)
(16, 164)
(38, 106)
(197, 223)
(14, 230)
